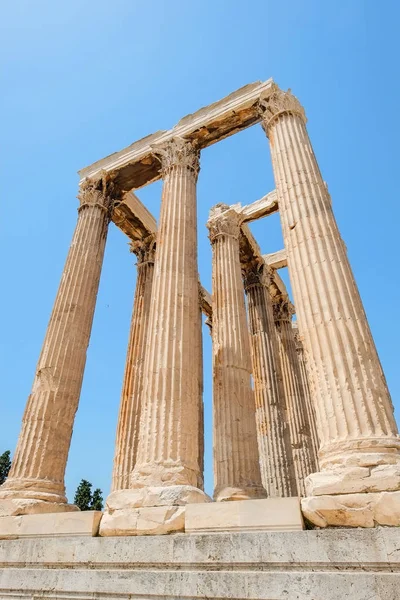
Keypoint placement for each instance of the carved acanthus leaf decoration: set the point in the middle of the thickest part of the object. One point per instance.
(256, 272)
(223, 221)
(178, 153)
(145, 249)
(277, 103)
(283, 309)
(101, 192)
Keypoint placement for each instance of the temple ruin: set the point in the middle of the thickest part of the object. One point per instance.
(303, 424)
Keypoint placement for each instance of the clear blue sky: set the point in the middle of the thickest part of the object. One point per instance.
(81, 80)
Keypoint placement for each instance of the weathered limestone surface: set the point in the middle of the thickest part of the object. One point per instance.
(307, 396)
(168, 451)
(276, 454)
(355, 418)
(131, 397)
(304, 456)
(236, 466)
(276, 260)
(301, 565)
(268, 514)
(51, 524)
(36, 479)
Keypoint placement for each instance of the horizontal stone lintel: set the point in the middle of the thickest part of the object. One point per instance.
(267, 205)
(276, 260)
(133, 218)
(136, 165)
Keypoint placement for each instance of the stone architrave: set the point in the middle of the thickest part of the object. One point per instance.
(359, 439)
(36, 480)
(131, 397)
(166, 472)
(305, 384)
(276, 456)
(304, 454)
(236, 465)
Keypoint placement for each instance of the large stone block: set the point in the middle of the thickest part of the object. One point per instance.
(51, 524)
(270, 514)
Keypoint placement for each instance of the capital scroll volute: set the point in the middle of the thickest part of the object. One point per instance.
(144, 249)
(276, 103)
(101, 192)
(223, 221)
(178, 152)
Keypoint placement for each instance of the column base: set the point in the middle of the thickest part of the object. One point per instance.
(339, 479)
(149, 511)
(229, 494)
(353, 510)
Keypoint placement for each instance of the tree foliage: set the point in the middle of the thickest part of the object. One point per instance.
(85, 499)
(5, 466)
(97, 500)
(83, 495)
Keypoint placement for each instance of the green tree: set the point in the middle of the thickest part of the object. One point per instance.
(97, 500)
(83, 495)
(5, 466)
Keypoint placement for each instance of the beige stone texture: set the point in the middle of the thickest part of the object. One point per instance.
(155, 520)
(268, 514)
(37, 472)
(273, 433)
(132, 388)
(353, 407)
(168, 449)
(304, 455)
(236, 466)
(51, 524)
(345, 564)
(305, 384)
(353, 510)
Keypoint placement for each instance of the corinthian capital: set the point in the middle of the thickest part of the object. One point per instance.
(223, 221)
(278, 103)
(178, 153)
(101, 192)
(144, 249)
(283, 309)
(256, 272)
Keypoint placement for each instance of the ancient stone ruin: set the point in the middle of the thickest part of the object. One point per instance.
(304, 431)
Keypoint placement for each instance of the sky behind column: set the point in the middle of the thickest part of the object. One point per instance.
(82, 79)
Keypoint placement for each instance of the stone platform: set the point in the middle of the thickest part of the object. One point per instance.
(298, 565)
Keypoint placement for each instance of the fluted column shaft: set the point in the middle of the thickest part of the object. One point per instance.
(40, 458)
(168, 451)
(354, 410)
(236, 465)
(304, 455)
(131, 398)
(306, 394)
(276, 456)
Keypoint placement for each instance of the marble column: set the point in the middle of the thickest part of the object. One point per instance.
(131, 397)
(276, 456)
(200, 483)
(304, 455)
(306, 393)
(36, 479)
(236, 464)
(359, 438)
(168, 452)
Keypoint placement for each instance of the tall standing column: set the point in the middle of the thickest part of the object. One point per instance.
(359, 438)
(36, 479)
(131, 398)
(168, 451)
(304, 456)
(276, 456)
(236, 465)
(305, 386)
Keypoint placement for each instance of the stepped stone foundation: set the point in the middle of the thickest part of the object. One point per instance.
(304, 434)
